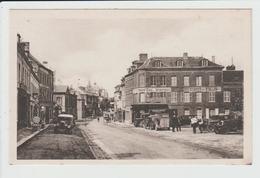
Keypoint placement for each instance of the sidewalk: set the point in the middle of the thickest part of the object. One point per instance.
(25, 134)
(232, 144)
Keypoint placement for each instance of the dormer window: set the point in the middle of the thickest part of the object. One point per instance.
(204, 62)
(179, 63)
(157, 63)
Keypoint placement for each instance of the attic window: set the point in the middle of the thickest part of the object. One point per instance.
(204, 62)
(157, 63)
(179, 63)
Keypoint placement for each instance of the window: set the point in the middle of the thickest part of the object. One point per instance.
(186, 112)
(173, 97)
(174, 81)
(198, 97)
(157, 64)
(211, 80)
(227, 111)
(211, 96)
(141, 80)
(204, 62)
(212, 112)
(227, 96)
(199, 113)
(162, 80)
(153, 80)
(186, 81)
(186, 97)
(179, 63)
(198, 81)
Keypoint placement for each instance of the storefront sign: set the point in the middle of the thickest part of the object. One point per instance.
(202, 89)
(148, 90)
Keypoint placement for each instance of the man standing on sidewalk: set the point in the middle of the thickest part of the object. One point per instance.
(194, 122)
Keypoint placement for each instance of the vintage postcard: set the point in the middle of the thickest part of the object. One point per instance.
(130, 86)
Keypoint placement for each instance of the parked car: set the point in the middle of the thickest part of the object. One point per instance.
(64, 124)
(228, 125)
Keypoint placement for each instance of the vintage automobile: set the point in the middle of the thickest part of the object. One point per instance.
(230, 123)
(160, 121)
(107, 116)
(64, 124)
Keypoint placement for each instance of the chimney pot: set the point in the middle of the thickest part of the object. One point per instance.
(213, 59)
(185, 55)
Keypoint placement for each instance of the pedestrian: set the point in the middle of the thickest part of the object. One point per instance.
(174, 122)
(178, 124)
(98, 119)
(200, 122)
(194, 122)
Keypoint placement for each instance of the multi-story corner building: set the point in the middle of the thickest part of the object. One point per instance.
(65, 100)
(182, 85)
(233, 84)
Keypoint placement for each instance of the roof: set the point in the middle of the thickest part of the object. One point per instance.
(39, 63)
(233, 76)
(189, 62)
(170, 62)
(60, 88)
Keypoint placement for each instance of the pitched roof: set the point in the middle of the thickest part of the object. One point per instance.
(233, 76)
(171, 62)
(60, 88)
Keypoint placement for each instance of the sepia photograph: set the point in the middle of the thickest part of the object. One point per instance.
(131, 84)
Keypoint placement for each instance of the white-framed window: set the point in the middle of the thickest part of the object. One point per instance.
(211, 80)
(186, 81)
(142, 80)
(186, 97)
(198, 97)
(198, 81)
(186, 112)
(153, 80)
(204, 62)
(211, 96)
(179, 63)
(199, 113)
(226, 96)
(174, 97)
(174, 81)
(227, 111)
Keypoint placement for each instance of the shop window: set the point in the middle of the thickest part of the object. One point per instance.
(212, 112)
(199, 113)
(186, 112)
(227, 111)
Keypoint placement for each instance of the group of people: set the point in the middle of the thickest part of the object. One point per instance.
(197, 122)
(194, 121)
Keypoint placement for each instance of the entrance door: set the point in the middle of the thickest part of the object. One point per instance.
(173, 113)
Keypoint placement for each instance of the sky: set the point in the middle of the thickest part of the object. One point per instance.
(99, 45)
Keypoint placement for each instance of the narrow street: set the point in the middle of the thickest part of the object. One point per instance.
(48, 145)
(137, 143)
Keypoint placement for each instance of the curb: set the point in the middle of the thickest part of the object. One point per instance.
(26, 139)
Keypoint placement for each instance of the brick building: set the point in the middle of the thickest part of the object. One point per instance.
(183, 85)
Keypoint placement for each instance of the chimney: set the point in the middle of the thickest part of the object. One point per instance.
(143, 56)
(18, 38)
(185, 55)
(213, 59)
